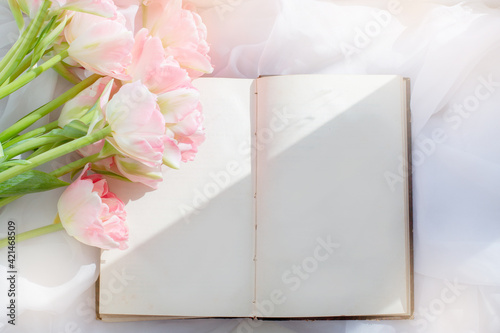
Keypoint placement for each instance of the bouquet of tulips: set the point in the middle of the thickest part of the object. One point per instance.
(131, 111)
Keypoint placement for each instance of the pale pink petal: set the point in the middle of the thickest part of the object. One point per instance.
(172, 154)
(138, 127)
(79, 105)
(182, 33)
(195, 63)
(147, 54)
(138, 172)
(92, 214)
(106, 164)
(117, 231)
(92, 149)
(149, 65)
(100, 184)
(129, 13)
(189, 145)
(100, 45)
(131, 169)
(81, 22)
(189, 125)
(168, 76)
(175, 105)
(127, 3)
(189, 46)
(188, 133)
(79, 209)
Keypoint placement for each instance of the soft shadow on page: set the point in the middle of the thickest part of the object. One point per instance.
(331, 236)
(192, 240)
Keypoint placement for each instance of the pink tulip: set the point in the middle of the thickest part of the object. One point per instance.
(181, 31)
(92, 214)
(138, 127)
(100, 45)
(181, 110)
(151, 65)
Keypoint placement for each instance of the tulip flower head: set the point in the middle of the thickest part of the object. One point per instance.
(92, 214)
(101, 45)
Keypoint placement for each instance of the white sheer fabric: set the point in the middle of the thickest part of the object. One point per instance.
(449, 49)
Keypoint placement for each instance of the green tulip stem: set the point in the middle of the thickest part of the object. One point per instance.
(55, 153)
(31, 74)
(29, 145)
(76, 165)
(32, 233)
(22, 48)
(58, 173)
(42, 111)
(31, 134)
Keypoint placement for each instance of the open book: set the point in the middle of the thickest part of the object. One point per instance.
(298, 205)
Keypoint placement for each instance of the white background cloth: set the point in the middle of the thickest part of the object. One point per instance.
(451, 52)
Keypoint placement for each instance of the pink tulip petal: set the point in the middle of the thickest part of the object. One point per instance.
(172, 154)
(189, 145)
(138, 127)
(182, 33)
(168, 76)
(92, 214)
(92, 149)
(75, 108)
(150, 65)
(138, 172)
(189, 125)
(175, 105)
(100, 45)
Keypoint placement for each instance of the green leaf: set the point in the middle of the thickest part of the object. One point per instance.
(1, 151)
(39, 47)
(45, 30)
(30, 182)
(74, 130)
(47, 38)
